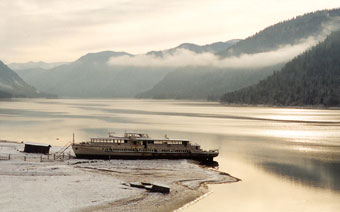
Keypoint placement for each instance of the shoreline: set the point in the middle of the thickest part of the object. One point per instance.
(183, 192)
(321, 107)
(99, 185)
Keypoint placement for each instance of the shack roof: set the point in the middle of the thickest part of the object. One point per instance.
(37, 144)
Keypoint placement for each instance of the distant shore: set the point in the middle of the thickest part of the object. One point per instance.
(281, 106)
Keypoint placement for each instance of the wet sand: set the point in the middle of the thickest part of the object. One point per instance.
(187, 180)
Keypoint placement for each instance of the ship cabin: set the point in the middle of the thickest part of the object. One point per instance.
(139, 141)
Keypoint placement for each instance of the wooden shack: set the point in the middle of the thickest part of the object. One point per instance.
(37, 148)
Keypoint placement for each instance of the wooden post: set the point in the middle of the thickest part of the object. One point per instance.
(48, 157)
(63, 155)
(53, 156)
(9, 156)
(40, 158)
(24, 158)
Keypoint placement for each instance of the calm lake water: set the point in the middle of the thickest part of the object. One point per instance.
(288, 159)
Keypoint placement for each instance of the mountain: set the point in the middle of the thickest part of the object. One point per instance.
(34, 65)
(100, 57)
(92, 77)
(316, 24)
(211, 48)
(234, 65)
(11, 85)
(266, 45)
(198, 83)
(312, 78)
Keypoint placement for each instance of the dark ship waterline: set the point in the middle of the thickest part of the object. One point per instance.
(140, 146)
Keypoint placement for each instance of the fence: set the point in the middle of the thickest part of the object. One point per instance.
(37, 158)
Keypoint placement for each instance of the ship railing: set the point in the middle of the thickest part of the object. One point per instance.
(210, 151)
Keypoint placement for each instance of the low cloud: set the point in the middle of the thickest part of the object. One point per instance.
(186, 58)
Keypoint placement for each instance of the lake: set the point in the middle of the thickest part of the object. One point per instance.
(288, 158)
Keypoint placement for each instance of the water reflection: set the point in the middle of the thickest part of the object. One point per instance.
(291, 146)
(308, 172)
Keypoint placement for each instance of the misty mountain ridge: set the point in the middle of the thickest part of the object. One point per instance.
(212, 48)
(101, 57)
(11, 85)
(312, 78)
(92, 76)
(34, 65)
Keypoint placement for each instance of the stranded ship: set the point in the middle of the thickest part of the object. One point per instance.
(140, 146)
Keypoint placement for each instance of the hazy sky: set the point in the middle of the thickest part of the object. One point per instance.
(64, 30)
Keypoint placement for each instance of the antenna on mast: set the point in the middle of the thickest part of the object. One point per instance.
(73, 138)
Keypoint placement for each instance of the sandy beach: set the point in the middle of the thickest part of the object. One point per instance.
(97, 185)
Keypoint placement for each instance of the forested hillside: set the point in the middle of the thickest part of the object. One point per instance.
(312, 78)
(204, 83)
(288, 32)
(211, 82)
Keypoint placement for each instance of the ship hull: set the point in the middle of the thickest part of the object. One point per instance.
(83, 152)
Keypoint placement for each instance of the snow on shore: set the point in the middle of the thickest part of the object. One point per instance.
(83, 185)
(52, 186)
